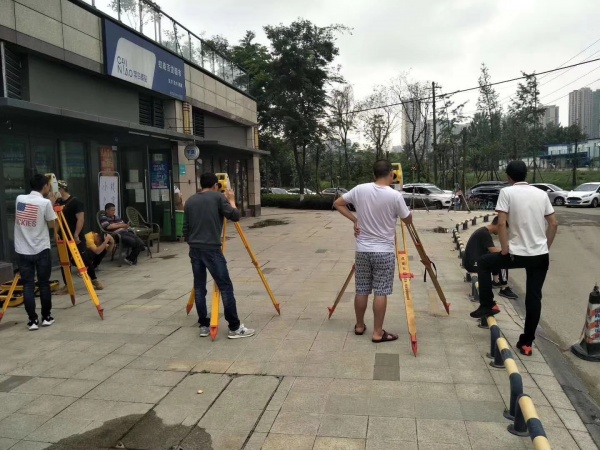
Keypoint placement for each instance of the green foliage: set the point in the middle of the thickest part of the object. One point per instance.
(293, 201)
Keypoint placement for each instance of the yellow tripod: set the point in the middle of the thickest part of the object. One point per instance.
(66, 246)
(405, 275)
(214, 316)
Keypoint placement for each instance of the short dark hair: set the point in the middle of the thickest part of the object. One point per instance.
(516, 170)
(382, 168)
(208, 180)
(108, 206)
(495, 221)
(38, 181)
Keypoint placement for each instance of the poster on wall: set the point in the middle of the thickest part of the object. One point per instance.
(108, 187)
(107, 162)
(134, 59)
(159, 175)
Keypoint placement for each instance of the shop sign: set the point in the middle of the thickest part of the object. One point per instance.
(159, 175)
(107, 162)
(134, 59)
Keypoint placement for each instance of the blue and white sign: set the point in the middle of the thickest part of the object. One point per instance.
(134, 59)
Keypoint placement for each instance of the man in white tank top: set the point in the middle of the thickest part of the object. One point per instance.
(378, 207)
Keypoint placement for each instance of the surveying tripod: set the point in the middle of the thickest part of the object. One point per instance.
(214, 314)
(458, 195)
(65, 247)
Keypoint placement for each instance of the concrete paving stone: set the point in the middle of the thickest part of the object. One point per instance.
(6, 443)
(39, 385)
(347, 404)
(248, 368)
(426, 375)
(392, 429)
(266, 421)
(19, 426)
(324, 370)
(47, 405)
(212, 366)
(437, 409)
(74, 388)
(13, 382)
(440, 446)
(547, 383)
(478, 392)
(344, 426)
(558, 399)
(466, 376)
(133, 349)
(391, 407)
(537, 368)
(336, 443)
(147, 377)
(389, 373)
(288, 442)
(305, 402)
(560, 438)
(238, 419)
(265, 384)
(12, 401)
(346, 386)
(230, 399)
(116, 360)
(151, 363)
(442, 431)
(571, 419)
(96, 372)
(361, 370)
(482, 411)
(583, 439)
(281, 393)
(378, 444)
(256, 441)
(288, 422)
(493, 435)
(31, 445)
(128, 392)
(387, 359)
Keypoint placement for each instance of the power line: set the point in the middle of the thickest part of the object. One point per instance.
(460, 91)
(571, 59)
(560, 98)
(564, 86)
(566, 71)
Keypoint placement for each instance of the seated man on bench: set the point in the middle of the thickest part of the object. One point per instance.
(111, 222)
(98, 245)
(480, 243)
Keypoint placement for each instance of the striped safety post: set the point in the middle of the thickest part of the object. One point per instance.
(495, 334)
(474, 221)
(465, 224)
(474, 288)
(528, 423)
(486, 218)
(516, 381)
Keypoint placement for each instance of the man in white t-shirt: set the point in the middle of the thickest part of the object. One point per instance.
(32, 244)
(525, 244)
(378, 207)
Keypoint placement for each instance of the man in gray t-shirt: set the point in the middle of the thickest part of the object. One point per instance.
(378, 207)
(203, 218)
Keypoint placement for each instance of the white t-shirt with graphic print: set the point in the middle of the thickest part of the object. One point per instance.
(527, 208)
(32, 213)
(377, 209)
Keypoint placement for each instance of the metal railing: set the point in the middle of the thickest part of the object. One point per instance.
(147, 18)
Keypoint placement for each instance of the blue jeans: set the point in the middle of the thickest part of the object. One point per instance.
(28, 266)
(215, 262)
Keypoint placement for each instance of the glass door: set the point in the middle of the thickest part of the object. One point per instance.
(13, 182)
(134, 178)
(161, 192)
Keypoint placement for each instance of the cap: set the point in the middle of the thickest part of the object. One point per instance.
(62, 184)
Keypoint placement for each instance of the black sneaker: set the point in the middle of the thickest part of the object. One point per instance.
(47, 321)
(496, 284)
(508, 293)
(130, 262)
(33, 325)
(485, 311)
(525, 349)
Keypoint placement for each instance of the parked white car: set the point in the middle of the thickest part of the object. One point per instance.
(419, 194)
(586, 194)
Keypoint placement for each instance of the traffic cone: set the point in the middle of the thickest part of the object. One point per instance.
(589, 347)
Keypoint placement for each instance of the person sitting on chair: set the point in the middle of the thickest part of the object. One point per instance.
(111, 222)
(98, 246)
(481, 243)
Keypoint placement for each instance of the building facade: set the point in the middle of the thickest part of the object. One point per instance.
(581, 111)
(109, 100)
(551, 116)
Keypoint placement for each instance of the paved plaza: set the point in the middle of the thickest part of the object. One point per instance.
(144, 379)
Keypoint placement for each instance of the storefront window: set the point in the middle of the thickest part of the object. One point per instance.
(73, 167)
(43, 152)
(14, 183)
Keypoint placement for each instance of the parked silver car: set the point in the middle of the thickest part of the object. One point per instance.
(429, 195)
(556, 194)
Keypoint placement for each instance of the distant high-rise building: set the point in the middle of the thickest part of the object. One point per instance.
(412, 121)
(581, 111)
(596, 113)
(550, 116)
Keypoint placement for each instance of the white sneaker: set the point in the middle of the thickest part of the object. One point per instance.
(241, 332)
(204, 331)
(33, 325)
(47, 321)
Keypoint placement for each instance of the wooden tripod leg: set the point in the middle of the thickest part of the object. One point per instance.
(74, 251)
(11, 291)
(405, 275)
(191, 301)
(341, 293)
(65, 264)
(258, 269)
(216, 296)
(428, 265)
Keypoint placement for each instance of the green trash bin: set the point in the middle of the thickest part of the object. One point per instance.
(179, 224)
(166, 227)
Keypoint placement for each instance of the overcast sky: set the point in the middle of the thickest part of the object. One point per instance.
(437, 40)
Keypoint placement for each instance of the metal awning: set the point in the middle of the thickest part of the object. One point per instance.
(220, 145)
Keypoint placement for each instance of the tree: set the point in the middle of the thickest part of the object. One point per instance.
(489, 126)
(449, 141)
(379, 119)
(302, 54)
(342, 121)
(136, 14)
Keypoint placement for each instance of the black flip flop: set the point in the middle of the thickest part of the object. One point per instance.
(387, 337)
(359, 334)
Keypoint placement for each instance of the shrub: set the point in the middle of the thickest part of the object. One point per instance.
(293, 201)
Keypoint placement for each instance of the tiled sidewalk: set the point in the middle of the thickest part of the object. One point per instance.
(303, 382)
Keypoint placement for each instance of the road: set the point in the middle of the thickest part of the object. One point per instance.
(574, 269)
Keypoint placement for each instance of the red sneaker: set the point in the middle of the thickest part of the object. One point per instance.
(525, 349)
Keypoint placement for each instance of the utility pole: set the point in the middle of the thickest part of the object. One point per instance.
(535, 124)
(434, 143)
(464, 159)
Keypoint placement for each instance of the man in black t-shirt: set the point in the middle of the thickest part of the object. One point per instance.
(74, 212)
(481, 243)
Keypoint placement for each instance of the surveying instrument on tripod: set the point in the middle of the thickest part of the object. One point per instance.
(224, 184)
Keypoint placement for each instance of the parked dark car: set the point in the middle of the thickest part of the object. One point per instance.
(485, 194)
(486, 184)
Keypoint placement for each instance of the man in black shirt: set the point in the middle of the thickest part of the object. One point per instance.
(74, 212)
(481, 243)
